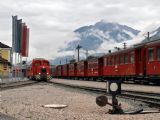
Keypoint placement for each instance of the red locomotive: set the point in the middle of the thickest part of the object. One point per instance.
(138, 63)
(39, 69)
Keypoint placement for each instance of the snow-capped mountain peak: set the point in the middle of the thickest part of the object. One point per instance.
(93, 36)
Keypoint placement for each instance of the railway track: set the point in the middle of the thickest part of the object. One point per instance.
(152, 99)
(16, 84)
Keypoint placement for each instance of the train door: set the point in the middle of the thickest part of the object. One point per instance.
(138, 62)
(144, 60)
(75, 69)
(100, 66)
(85, 68)
(141, 61)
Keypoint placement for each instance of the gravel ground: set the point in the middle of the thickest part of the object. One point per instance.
(5, 117)
(26, 103)
(143, 88)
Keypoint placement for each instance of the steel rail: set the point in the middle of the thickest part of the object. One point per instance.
(16, 84)
(153, 99)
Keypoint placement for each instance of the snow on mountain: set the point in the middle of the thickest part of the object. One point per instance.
(154, 35)
(92, 37)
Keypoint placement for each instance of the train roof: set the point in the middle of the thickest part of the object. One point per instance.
(147, 43)
(119, 51)
(39, 59)
(135, 46)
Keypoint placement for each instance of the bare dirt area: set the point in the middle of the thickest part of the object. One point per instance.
(26, 103)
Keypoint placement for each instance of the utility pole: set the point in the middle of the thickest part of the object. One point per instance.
(78, 48)
(148, 36)
(86, 53)
(124, 44)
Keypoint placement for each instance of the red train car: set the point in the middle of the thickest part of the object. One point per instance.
(65, 70)
(95, 68)
(39, 69)
(72, 70)
(153, 60)
(82, 69)
(125, 64)
(59, 71)
(120, 63)
(140, 62)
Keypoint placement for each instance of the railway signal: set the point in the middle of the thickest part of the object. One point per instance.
(114, 88)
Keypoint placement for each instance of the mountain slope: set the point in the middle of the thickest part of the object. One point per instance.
(91, 37)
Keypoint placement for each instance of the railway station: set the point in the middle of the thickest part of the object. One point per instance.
(79, 60)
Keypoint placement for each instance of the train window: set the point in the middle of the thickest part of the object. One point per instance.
(46, 63)
(132, 58)
(43, 70)
(117, 59)
(126, 58)
(71, 67)
(150, 54)
(158, 53)
(37, 64)
(121, 59)
(108, 61)
(112, 60)
(105, 61)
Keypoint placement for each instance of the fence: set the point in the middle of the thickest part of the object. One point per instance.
(15, 76)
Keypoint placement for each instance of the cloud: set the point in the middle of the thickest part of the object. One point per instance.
(52, 22)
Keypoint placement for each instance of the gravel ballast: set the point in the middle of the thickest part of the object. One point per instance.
(26, 103)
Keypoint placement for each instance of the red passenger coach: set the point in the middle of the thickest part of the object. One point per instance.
(72, 70)
(153, 59)
(140, 62)
(95, 67)
(65, 70)
(82, 69)
(59, 71)
(120, 63)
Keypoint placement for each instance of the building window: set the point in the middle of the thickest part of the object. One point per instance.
(150, 54)
(126, 58)
(5, 66)
(158, 54)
